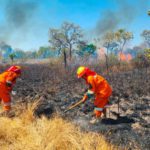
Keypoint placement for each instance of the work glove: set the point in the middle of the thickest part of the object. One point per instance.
(90, 94)
(13, 93)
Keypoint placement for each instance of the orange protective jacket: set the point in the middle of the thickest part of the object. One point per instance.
(99, 86)
(101, 89)
(5, 89)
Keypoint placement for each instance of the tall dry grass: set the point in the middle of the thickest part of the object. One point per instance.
(26, 132)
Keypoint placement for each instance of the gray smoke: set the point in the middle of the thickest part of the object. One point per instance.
(20, 13)
(109, 22)
(19, 16)
(125, 14)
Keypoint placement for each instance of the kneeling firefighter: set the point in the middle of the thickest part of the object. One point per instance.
(7, 80)
(99, 87)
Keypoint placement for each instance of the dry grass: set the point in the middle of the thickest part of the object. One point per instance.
(29, 133)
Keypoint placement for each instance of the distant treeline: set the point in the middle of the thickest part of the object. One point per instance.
(6, 52)
(69, 41)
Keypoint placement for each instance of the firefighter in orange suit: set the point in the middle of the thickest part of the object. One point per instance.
(98, 87)
(7, 80)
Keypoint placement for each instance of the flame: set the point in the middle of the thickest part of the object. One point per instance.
(122, 56)
(129, 57)
(125, 57)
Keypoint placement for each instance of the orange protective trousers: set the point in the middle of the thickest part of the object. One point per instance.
(5, 97)
(100, 103)
(5, 90)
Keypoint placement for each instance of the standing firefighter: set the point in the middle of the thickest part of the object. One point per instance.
(98, 87)
(7, 80)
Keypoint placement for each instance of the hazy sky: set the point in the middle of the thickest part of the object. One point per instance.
(25, 23)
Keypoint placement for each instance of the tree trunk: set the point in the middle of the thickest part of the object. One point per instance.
(107, 65)
(121, 50)
(12, 61)
(65, 59)
(70, 51)
(107, 61)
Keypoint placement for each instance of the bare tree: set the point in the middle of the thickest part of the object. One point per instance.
(122, 37)
(72, 35)
(108, 40)
(57, 42)
(65, 39)
(109, 43)
(146, 35)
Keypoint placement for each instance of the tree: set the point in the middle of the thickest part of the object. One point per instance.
(57, 43)
(86, 50)
(110, 45)
(6, 50)
(147, 53)
(109, 42)
(34, 54)
(44, 52)
(142, 59)
(122, 37)
(65, 39)
(19, 54)
(146, 35)
(72, 36)
(12, 56)
(31, 54)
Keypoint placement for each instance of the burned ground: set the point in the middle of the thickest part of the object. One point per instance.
(56, 89)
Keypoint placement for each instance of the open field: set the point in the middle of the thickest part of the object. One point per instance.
(55, 89)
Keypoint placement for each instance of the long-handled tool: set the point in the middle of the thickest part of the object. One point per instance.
(74, 105)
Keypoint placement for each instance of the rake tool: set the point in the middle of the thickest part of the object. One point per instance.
(74, 105)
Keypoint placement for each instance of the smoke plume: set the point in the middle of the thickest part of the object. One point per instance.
(19, 16)
(19, 13)
(125, 14)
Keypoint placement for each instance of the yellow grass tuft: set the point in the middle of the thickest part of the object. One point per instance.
(29, 133)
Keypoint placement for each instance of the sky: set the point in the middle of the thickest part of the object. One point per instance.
(25, 24)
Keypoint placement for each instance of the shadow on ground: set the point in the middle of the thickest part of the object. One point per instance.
(119, 120)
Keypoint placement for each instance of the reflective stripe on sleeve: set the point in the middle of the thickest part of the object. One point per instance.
(90, 92)
(99, 109)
